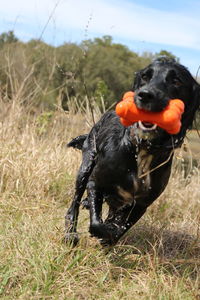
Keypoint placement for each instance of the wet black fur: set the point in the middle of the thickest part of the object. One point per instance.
(114, 156)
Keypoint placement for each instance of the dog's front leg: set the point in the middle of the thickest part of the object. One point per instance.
(122, 221)
(95, 200)
(71, 218)
(104, 231)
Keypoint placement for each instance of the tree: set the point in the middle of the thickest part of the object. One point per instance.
(109, 65)
(168, 54)
(7, 38)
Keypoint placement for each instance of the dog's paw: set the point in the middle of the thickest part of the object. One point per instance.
(106, 233)
(106, 243)
(71, 239)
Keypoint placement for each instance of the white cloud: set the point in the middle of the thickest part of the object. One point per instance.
(120, 19)
(133, 22)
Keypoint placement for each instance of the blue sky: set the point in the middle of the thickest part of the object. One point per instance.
(142, 25)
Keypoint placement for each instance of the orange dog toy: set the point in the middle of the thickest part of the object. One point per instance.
(169, 119)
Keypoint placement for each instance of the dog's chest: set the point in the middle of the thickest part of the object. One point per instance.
(141, 179)
(144, 160)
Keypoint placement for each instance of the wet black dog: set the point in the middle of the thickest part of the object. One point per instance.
(129, 167)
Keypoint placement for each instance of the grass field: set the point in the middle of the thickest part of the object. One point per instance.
(158, 259)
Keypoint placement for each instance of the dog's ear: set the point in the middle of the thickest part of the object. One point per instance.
(196, 108)
(137, 80)
(196, 95)
(193, 108)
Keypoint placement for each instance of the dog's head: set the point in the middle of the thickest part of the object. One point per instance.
(161, 81)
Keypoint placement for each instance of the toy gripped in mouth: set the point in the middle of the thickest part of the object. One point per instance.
(169, 119)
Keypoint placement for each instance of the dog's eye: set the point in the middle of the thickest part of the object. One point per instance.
(177, 82)
(147, 75)
(144, 77)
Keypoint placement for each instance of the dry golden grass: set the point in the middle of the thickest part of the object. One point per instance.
(158, 259)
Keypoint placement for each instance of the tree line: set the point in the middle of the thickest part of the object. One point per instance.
(45, 75)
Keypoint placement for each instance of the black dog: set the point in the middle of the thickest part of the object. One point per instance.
(129, 167)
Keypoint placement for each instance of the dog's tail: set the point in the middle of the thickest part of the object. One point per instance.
(77, 142)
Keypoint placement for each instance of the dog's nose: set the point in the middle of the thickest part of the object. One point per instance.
(145, 96)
